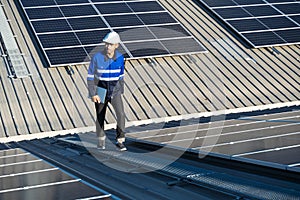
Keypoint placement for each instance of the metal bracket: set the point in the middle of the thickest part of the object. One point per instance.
(151, 62)
(69, 70)
(274, 51)
(191, 59)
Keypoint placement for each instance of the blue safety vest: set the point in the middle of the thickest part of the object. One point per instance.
(107, 73)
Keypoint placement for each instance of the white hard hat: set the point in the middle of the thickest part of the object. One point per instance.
(112, 38)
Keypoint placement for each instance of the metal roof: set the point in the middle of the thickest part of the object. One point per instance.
(230, 78)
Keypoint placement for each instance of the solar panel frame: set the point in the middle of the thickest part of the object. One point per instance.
(80, 23)
(252, 20)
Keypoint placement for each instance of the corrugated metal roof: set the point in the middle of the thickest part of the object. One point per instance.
(230, 78)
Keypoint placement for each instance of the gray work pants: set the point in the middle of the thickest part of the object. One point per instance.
(117, 104)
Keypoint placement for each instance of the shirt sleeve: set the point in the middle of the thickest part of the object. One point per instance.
(91, 78)
(121, 77)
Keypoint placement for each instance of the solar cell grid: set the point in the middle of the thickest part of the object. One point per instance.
(69, 30)
(79, 10)
(247, 25)
(44, 13)
(229, 13)
(168, 31)
(180, 45)
(258, 21)
(113, 8)
(34, 179)
(91, 37)
(64, 2)
(108, 1)
(218, 3)
(154, 18)
(91, 50)
(145, 6)
(51, 25)
(67, 55)
(86, 23)
(31, 3)
(291, 36)
(251, 2)
(295, 18)
(279, 1)
(131, 34)
(281, 22)
(292, 8)
(142, 49)
(94, 49)
(25, 176)
(259, 11)
(263, 38)
(59, 40)
(123, 20)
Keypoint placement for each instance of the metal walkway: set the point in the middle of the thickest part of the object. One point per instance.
(10, 50)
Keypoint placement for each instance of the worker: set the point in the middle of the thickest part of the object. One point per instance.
(106, 72)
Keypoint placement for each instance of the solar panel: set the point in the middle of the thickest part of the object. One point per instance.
(24, 176)
(71, 31)
(262, 23)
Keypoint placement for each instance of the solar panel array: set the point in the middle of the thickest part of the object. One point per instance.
(70, 31)
(25, 176)
(262, 23)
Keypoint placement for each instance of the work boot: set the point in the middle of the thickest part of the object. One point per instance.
(101, 143)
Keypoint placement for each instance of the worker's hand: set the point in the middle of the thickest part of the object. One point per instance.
(96, 99)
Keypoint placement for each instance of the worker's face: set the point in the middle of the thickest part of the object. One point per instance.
(110, 48)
